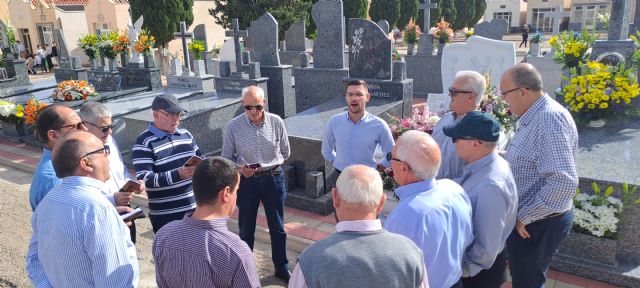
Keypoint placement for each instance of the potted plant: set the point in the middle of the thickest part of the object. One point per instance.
(73, 92)
(570, 49)
(411, 34)
(144, 45)
(197, 47)
(106, 46)
(597, 91)
(12, 118)
(89, 44)
(443, 33)
(536, 42)
(121, 47)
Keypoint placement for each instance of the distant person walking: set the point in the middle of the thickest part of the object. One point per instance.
(525, 35)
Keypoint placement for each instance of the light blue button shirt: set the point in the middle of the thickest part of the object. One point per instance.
(492, 190)
(436, 215)
(44, 179)
(79, 239)
(347, 143)
(450, 164)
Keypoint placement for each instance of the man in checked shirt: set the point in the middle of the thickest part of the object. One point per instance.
(257, 141)
(542, 156)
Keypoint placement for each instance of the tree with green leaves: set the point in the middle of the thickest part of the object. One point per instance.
(436, 14)
(162, 18)
(408, 11)
(385, 10)
(448, 11)
(355, 8)
(465, 11)
(481, 6)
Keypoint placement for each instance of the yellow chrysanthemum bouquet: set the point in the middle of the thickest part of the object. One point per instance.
(197, 46)
(571, 48)
(599, 91)
(11, 112)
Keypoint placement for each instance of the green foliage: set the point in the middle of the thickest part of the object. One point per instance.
(385, 10)
(630, 195)
(286, 12)
(355, 8)
(465, 11)
(162, 18)
(480, 7)
(408, 11)
(449, 11)
(436, 14)
(11, 34)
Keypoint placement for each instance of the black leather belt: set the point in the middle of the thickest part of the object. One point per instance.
(276, 170)
(555, 215)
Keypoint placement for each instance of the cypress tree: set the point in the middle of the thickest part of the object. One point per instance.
(465, 11)
(385, 10)
(408, 11)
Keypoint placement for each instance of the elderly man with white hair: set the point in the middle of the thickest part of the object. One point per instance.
(372, 256)
(436, 215)
(466, 92)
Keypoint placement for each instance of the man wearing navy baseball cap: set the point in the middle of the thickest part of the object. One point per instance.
(488, 182)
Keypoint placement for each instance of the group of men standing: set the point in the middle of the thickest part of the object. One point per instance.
(462, 200)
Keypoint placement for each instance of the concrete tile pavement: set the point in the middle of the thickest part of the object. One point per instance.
(303, 228)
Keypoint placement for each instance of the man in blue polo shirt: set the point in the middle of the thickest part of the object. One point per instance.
(353, 136)
(159, 155)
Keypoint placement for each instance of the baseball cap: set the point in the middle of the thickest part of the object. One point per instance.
(477, 125)
(167, 102)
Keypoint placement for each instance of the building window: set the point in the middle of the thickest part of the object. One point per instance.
(503, 6)
(540, 20)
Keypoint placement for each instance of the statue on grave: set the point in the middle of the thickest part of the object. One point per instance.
(134, 32)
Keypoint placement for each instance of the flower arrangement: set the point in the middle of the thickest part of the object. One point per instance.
(469, 33)
(89, 44)
(11, 112)
(442, 32)
(121, 44)
(536, 38)
(496, 106)
(571, 49)
(73, 90)
(596, 214)
(145, 42)
(599, 91)
(395, 55)
(216, 49)
(635, 58)
(197, 46)
(107, 44)
(411, 32)
(31, 111)
(424, 121)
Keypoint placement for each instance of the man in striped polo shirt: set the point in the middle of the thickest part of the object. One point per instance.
(159, 155)
(257, 141)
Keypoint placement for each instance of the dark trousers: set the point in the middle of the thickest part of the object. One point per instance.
(271, 191)
(158, 221)
(489, 278)
(524, 41)
(529, 258)
(49, 62)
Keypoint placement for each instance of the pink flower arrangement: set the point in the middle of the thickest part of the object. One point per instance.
(421, 120)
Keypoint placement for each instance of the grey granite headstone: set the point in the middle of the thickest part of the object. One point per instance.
(492, 30)
(425, 70)
(622, 47)
(63, 51)
(295, 36)
(304, 59)
(384, 25)
(369, 52)
(246, 57)
(399, 71)
(328, 48)
(264, 38)
(253, 69)
(425, 46)
(200, 33)
(225, 69)
(619, 20)
(68, 68)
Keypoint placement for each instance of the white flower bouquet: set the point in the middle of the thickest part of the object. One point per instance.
(597, 214)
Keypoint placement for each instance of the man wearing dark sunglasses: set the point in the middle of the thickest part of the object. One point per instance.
(466, 93)
(97, 119)
(488, 182)
(159, 155)
(257, 142)
(53, 122)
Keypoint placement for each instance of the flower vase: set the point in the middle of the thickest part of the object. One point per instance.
(410, 49)
(441, 47)
(598, 123)
(534, 49)
(14, 130)
(148, 61)
(113, 64)
(124, 59)
(94, 64)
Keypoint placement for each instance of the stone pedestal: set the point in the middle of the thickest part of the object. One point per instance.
(232, 87)
(204, 83)
(425, 71)
(16, 72)
(282, 99)
(291, 58)
(199, 68)
(104, 80)
(140, 77)
(623, 47)
(62, 74)
(318, 85)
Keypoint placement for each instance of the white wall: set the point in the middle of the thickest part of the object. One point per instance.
(513, 6)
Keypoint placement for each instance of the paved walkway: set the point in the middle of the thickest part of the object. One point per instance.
(302, 227)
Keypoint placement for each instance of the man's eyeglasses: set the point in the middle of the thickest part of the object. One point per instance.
(501, 93)
(249, 107)
(78, 126)
(465, 138)
(390, 157)
(103, 129)
(177, 115)
(453, 92)
(104, 150)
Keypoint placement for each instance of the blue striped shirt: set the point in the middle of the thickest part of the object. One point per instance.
(542, 156)
(79, 239)
(346, 143)
(451, 165)
(44, 178)
(157, 155)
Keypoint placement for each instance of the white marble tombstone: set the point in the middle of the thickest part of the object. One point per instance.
(227, 53)
(478, 54)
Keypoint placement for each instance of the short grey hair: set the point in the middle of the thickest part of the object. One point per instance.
(360, 185)
(475, 83)
(259, 91)
(416, 149)
(525, 75)
(92, 111)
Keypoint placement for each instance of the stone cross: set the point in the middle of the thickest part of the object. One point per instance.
(236, 33)
(619, 21)
(557, 15)
(184, 35)
(427, 14)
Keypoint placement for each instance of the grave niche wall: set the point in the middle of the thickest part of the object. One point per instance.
(140, 77)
